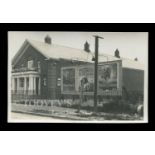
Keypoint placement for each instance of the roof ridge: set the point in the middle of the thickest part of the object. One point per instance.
(80, 50)
(29, 40)
(132, 60)
(123, 58)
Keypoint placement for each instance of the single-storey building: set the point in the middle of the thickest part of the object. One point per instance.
(37, 66)
(36, 69)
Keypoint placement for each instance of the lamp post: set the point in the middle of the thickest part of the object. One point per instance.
(96, 71)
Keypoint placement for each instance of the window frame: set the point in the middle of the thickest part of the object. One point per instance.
(30, 64)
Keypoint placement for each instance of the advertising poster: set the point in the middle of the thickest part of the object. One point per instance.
(107, 77)
(86, 79)
(81, 78)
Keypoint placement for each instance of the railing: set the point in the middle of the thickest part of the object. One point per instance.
(24, 69)
(22, 94)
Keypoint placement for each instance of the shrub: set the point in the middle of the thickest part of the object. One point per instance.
(140, 109)
(118, 107)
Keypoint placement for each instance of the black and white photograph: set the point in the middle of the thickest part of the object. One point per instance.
(77, 77)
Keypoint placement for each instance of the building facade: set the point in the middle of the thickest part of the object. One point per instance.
(37, 66)
(36, 69)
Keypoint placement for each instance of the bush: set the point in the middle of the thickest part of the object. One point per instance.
(118, 107)
(140, 110)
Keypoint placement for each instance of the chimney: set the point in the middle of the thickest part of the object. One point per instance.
(117, 54)
(48, 40)
(136, 59)
(86, 47)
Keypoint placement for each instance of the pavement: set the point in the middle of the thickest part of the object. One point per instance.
(25, 117)
(60, 114)
(53, 111)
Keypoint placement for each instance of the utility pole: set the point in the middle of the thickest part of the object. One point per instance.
(96, 71)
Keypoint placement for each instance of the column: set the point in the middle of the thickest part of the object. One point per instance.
(77, 82)
(18, 88)
(27, 84)
(13, 84)
(30, 85)
(24, 85)
(39, 86)
(118, 76)
(34, 85)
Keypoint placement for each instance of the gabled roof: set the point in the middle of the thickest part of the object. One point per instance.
(56, 51)
(52, 51)
(61, 52)
(106, 57)
(20, 52)
(126, 63)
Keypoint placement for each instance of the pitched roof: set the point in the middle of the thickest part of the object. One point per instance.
(63, 52)
(126, 63)
(106, 57)
(57, 51)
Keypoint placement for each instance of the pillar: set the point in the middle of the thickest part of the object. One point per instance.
(30, 85)
(34, 85)
(39, 86)
(13, 84)
(18, 89)
(27, 85)
(24, 85)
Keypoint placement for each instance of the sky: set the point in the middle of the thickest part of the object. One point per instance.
(130, 44)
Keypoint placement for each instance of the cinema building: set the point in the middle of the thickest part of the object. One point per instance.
(36, 69)
(37, 66)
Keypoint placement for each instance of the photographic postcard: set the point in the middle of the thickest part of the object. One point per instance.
(77, 77)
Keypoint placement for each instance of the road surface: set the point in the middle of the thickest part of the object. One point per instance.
(22, 117)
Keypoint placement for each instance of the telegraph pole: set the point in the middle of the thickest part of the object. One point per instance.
(96, 71)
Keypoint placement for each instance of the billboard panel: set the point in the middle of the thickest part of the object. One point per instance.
(86, 78)
(109, 79)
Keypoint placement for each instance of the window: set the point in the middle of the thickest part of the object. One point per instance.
(21, 82)
(44, 81)
(30, 64)
(59, 82)
(38, 64)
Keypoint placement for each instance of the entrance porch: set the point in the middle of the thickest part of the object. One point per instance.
(25, 85)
